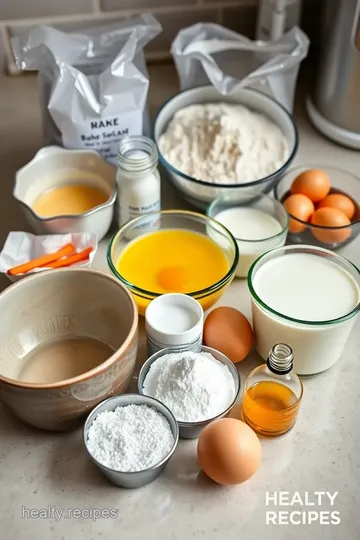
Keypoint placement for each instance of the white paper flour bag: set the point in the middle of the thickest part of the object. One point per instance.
(209, 53)
(94, 83)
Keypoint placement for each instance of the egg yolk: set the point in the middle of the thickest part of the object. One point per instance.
(173, 278)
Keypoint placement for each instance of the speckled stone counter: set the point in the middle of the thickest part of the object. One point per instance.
(50, 489)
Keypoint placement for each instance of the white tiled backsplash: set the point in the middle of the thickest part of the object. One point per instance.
(17, 16)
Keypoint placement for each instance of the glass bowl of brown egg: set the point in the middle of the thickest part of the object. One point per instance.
(323, 205)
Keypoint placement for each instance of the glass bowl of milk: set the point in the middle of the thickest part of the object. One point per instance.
(257, 221)
(307, 297)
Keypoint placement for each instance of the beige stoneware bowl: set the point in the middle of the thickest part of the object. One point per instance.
(56, 307)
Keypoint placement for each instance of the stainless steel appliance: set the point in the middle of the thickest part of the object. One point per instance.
(334, 103)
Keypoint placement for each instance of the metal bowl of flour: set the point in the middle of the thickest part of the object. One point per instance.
(131, 480)
(192, 430)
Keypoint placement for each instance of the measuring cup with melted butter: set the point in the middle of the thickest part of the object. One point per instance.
(66, 191)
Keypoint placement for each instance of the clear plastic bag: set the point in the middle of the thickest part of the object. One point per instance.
(93, 84)
(207, 52)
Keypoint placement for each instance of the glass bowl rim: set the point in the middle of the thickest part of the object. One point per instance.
(186, 213)
(235, 205)
(257, 182)
(323, 167)
(301, 248)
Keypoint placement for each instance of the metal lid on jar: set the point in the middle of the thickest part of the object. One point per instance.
(281, 359)
(137, 154)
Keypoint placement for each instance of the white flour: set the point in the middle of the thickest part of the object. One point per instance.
(194, 386)
(223, 143)
(131, 438)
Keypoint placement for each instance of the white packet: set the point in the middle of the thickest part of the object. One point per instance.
(22, 247)
(207, 53)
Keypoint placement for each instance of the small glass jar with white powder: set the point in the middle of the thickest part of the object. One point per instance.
(138, 178)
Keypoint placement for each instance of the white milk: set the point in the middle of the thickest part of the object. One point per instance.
(310, 288)
(255, 231)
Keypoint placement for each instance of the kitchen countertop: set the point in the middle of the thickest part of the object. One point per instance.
(50, 471)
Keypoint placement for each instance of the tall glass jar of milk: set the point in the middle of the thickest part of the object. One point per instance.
(138, 178)
(308, 298)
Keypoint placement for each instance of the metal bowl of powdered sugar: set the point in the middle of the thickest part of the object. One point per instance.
(131, 438)
(198, 387)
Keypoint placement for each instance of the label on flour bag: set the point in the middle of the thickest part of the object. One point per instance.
(102, 134)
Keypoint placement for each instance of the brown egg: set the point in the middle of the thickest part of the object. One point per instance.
(330, 217)
(228, 330)
(301, 207)
(229, 451)
(313, 183)
(339, 201)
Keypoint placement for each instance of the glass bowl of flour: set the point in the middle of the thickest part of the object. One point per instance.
(209, 143)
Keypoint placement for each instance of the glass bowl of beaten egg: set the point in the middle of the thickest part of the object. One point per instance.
(323, 205)
(174, 251)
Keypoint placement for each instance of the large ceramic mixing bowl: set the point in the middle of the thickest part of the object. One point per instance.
(57, 307)
(180, 220)
(201, 193)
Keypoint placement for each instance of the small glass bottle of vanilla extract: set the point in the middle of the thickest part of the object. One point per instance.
(273, 394)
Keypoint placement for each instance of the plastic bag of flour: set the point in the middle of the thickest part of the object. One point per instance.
(94, 83)
(208, 53)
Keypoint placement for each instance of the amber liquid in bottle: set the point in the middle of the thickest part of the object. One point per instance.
(272, 395)
(270, 408)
